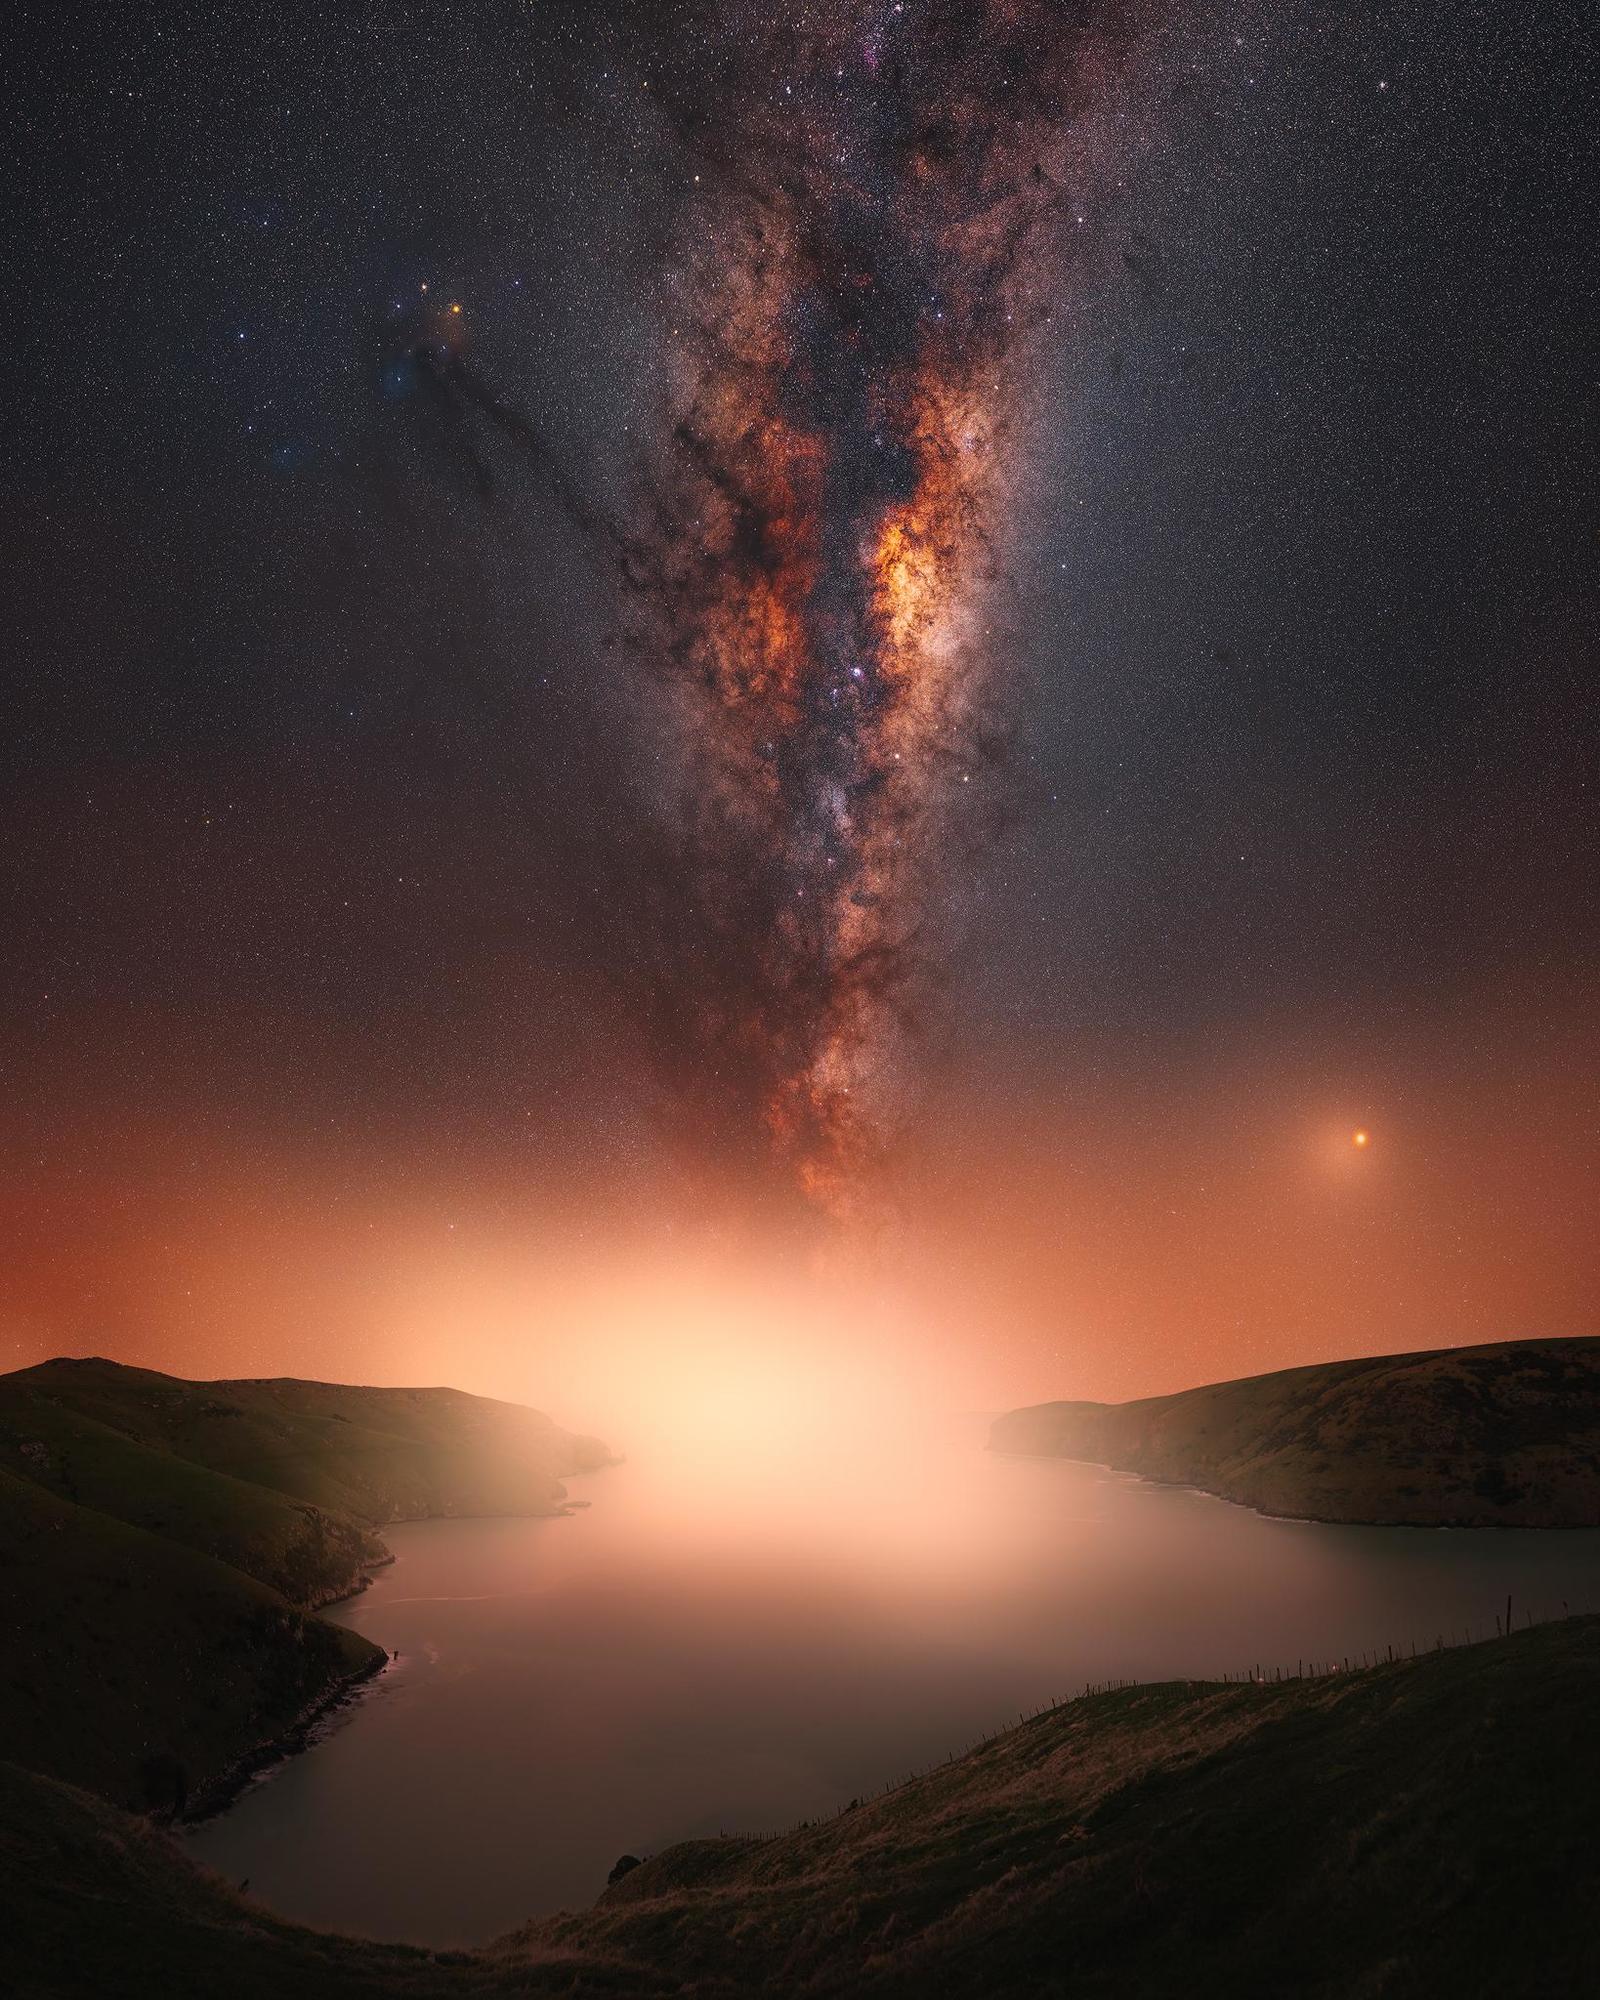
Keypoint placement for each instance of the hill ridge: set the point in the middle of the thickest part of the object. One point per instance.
(160, 1537)
(1505, 1434)
(1154, 1840)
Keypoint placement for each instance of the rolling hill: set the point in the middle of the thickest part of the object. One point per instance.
(1500, 1436)
(162, 1544)
(1408, 1830)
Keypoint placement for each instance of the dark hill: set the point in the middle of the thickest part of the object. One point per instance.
(1415, 1829)
(374, 1455)
(162, 1541)
(141, 1668)
(1502, 1436)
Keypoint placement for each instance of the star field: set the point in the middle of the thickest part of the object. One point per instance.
(335, 792)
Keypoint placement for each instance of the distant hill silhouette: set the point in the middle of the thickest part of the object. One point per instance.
(1500, 1436)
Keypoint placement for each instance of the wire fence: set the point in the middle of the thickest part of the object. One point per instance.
(1512, 1618)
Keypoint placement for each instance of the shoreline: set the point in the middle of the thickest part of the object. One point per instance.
(362, 1584)
(217, 1795)
(1306, 1520)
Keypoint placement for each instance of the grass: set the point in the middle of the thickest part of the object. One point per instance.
(1499, 1436)
(1407, 1829)
(1411, 1829)
(161, 1543)
(140, 1667)
(374, 1455)
(137, 1477)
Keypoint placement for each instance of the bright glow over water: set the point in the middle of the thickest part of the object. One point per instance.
(705, 1648)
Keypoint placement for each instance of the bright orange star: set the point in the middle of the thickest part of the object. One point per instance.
(1360, 1138)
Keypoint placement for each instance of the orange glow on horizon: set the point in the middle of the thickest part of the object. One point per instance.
(1052, 1238)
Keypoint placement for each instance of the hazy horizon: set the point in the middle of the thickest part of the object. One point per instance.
(595, 723)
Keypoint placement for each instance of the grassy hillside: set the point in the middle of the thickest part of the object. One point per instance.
(110, 1461)
(139, 1667)
(374, 1455)
(161, 1542)
(1411, 1830)
(1503, 1436)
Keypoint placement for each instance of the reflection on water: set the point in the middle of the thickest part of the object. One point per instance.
(700, 1651)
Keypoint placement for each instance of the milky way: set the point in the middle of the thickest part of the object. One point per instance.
(876, 223)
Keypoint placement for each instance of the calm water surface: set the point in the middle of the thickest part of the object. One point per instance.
(672, 1662)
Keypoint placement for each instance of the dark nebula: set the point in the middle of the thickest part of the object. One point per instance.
(986, 613)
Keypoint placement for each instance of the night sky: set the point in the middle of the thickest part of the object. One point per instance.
(397, 897)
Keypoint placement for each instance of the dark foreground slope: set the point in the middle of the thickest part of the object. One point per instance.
(1503, 1436)
(161, 1543)
(1417, 1829)
(138, 1667)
